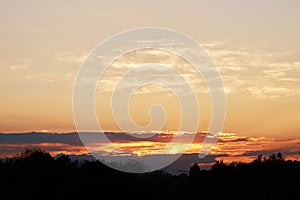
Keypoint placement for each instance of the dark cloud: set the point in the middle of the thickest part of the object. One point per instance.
(124, 137)
(242, 139)
(35, 137)
(229, 145)
(269, 152)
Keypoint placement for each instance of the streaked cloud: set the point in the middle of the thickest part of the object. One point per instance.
(69, 57)
(230, 147)
(261, 73)
(243, 70)
(18, 67)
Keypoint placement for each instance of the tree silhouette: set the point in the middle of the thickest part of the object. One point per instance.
(36, 158)
(63, 161)
(36, 174)
(219, 166)
(194, 170)
(279, 156)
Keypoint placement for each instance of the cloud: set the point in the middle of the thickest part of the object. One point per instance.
(261, 73)
(18, 67)
(35, 137)
(22, 64)
(10, 150)
(152, 58)
(240, 148)
(51, 77)
(230, 146)
(269, 91)
(70, 56)
(256, 72)
(243, 139)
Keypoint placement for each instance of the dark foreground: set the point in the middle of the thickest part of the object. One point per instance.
(36, 175)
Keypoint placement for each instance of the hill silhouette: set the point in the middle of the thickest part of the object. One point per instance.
(35, 174)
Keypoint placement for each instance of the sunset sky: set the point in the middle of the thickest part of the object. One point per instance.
(254, 44)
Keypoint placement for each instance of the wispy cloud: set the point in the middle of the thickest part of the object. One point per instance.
(253, 71)
(22, 64)
(18, 67)
(69, 56)
(185, 72)
(261, 73)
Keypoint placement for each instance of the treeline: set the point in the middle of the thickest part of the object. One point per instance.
(35, 174)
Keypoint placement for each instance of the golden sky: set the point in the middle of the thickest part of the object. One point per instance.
(255, 45)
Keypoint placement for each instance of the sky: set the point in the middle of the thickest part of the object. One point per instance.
(230, 146)
(254, 44)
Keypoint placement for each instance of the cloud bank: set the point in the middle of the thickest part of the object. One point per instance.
(230, 147)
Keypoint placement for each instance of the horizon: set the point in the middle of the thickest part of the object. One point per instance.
(230, 147)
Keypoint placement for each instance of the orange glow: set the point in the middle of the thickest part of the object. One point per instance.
(230, 147)
(10, 150)
(236, 148)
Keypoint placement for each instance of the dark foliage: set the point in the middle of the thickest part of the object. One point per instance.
(35, 174)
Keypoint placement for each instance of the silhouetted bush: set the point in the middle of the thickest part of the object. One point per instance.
(36, 174)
